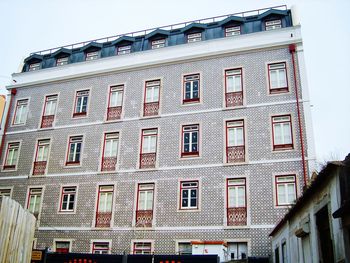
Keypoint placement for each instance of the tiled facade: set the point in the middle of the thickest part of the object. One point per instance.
(209, 220)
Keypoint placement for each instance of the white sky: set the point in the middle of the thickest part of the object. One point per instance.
(31, 25)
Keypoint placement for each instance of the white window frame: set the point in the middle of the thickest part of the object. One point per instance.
(62, 61)
(108, 242)
(70, 241)
(191, 128)
(93, 55)
(21, 110)
(154, 87)
(159, 43)
(194, 185)
(151, 137)
(232, 31)
(280, 69)
(283, 145)
(273, 24)
(122, 50)
(74, 139)
(134, 242)
(78, 107)
(34, 66)
(15, 145)
(191, 78)
(285, 180)
(194, 37)
(6, 191)
(63, 193)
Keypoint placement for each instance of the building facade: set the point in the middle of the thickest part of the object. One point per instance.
(153, 141)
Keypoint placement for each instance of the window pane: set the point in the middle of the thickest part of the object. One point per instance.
(278, 134)
(281, 194)
(286, 133)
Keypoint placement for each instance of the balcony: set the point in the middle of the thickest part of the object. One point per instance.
(39, 168)
(147, 160)
(109, 164)
(47, 121)
(234, 99)
(144, 218)
(114, 113)
(235, 154)
(103, 219)
(237, 216)
(150, 109)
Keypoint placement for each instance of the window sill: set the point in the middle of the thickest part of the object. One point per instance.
(79, 115)
(277, 91)
(235, 164)
(72, 164)
(283, 149)
(237, 227)
(8, 169)
(234, 107)
(193, 210)
(150, 117)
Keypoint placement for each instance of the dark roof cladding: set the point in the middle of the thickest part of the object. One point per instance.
(211, 28)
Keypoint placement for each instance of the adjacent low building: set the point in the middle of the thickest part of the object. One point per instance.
(317, 228)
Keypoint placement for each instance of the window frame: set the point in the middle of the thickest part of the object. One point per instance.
(4, 189)
(92, 55)
(227, 74)
(25, 101)
(62, 240)
(274, 25)
(115, 134)
(118, 88)
(123, 50)
(285, 146)
(99, 190)
(148, 186)
(29, 194)
(197, 77)
(285, 183)
(62, 194)
(50, 97)
(227, 32)
(158, 43)
(151, 84)
(194, 37)
(197, 188)
(235, 124)
(41, 142)
(134, 242)
(183, 154)
(104, 242)
(277, 90)
(246, 200)
(81, 114)
(74, 163)
(11, 167)
(34, 66)
(62, 61)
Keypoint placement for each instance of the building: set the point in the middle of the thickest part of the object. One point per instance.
(2, 105)
(155, 140)
(316, 229)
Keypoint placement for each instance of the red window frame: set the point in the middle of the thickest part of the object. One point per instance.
(148, 187)
(237, 124)
(40, 165)
(22, 102)
(69, 194)
(240, 220)
(191, 78)
(190, 153)
(237, 96)
(195, 187)
(12, 145)
(62, 250)
(94, 249)
(115, 136)
(288, 146)
(151, 108)
(152, 156)
(51, 117)
(285, 182)
(118, 108)
(278, 89)
(81, 113)
(68, 151)
(228, 33)
(109, 189)
(148, 251)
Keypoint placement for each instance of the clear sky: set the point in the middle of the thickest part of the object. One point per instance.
(32, 25)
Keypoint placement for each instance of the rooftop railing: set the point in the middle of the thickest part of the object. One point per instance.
(168, 27)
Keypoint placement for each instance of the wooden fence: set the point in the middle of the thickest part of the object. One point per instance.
(17, 227)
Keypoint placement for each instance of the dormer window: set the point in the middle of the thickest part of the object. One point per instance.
(194, 37)
(91, 55)
(62, 61)
(34, 66)
(273, 24)
(124, 50)
(158, 43)
(232, 31)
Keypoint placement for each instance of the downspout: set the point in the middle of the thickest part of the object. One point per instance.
(292, 50)
(13, 93)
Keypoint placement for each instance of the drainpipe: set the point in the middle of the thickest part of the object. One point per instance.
(13, 93)
(292, 50)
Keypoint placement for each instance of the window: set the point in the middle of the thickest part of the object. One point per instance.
(68, 196)
(284, 253)
(62, 247)
(235, 148)
(74, 150)
(144, 210)
(144, 248)
(194, 37)
(191, 88)
(104, 206)
(124, 50)
(236, 202)
(232, 31)
(151, 105)
(237, 250)
(115, 102)
(5, 192)
(148, 148)
(233, 87)
(62, 61)
(110, 151)
(100, 248)
(277, 255)
(189, 195)
(185, 248)
(34, 201)
(190, 140)
(285, 189)
(282, 132)
(158, 43)
(12, 154)
(278, 78)
(21, 112)
(81, 103)
(91, 55)
(34, 66)
(49, 111)
(273, 24)
(41, 157)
